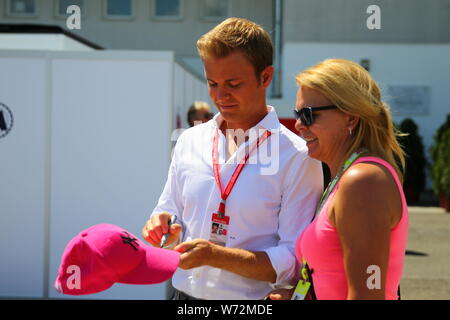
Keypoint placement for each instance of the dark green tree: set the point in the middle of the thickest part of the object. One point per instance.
(440, 170)
(416, 163)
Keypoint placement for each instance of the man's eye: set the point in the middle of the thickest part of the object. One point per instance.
(212, 84)
(234, 85)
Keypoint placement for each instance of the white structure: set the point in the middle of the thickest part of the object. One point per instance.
(90, 144)
(56, 41)
(414, 78)
(173, 25)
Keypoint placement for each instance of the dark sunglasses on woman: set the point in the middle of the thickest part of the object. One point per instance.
(306, 114)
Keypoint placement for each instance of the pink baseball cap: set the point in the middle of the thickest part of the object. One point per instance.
(105, 254)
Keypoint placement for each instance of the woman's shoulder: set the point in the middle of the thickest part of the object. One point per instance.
(365, 176)
(367, 190)
(369, 185)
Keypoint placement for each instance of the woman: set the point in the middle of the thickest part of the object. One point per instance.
(355, 246)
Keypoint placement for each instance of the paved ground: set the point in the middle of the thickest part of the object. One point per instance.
(427, 263)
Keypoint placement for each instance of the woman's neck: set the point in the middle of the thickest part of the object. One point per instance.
(338, 165)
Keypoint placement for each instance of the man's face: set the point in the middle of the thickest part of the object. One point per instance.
(235, 90)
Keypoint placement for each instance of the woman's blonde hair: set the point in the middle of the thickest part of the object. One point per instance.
(351, 88)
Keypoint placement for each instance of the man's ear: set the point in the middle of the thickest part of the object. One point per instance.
(266, 76)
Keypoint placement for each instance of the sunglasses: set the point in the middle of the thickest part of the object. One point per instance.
(305, 115)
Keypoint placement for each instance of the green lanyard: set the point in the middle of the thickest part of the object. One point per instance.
(306, 272)
(332, 184)
(326, 194)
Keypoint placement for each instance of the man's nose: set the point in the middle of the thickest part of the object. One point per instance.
(222, 94)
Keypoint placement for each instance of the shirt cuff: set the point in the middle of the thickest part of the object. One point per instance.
(285, 265)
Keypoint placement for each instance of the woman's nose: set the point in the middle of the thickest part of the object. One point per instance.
(299, 126)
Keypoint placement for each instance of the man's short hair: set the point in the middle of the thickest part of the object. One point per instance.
(238, 34)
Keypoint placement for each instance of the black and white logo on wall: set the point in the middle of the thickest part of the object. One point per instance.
(6, 120)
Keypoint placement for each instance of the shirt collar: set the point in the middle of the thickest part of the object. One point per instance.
(269, 122)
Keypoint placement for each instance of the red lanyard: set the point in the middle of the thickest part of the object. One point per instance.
(215, 157)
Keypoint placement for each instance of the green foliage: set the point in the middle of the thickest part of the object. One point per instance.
(415, 156)
(440, 151)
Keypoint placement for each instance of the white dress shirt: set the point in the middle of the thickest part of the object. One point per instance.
(270, 205)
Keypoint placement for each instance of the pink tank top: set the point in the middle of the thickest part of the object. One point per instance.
(319, 244)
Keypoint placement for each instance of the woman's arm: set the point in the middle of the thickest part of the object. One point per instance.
(366, 206)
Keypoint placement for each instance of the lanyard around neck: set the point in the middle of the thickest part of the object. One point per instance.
(306, 272)
(215, 158)
(329, 189)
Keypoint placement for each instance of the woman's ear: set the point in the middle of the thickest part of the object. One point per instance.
(352, 122)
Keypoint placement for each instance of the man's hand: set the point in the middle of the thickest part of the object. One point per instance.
(157, 226)
(248, 264)
(195, 253)
(280, 294)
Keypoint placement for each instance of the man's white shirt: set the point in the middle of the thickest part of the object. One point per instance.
(270, 205)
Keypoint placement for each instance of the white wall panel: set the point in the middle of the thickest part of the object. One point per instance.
(22, 178)
(178, 92)
(90, 144)
(110, 151)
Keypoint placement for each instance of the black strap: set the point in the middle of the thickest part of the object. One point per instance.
(311, 292)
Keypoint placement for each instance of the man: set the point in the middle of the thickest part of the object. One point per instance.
(262, 212)
(215, 227)
(199, 112)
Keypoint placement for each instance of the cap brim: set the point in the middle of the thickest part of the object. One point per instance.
(158, 266)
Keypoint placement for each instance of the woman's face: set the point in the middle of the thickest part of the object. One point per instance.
(327, 136)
